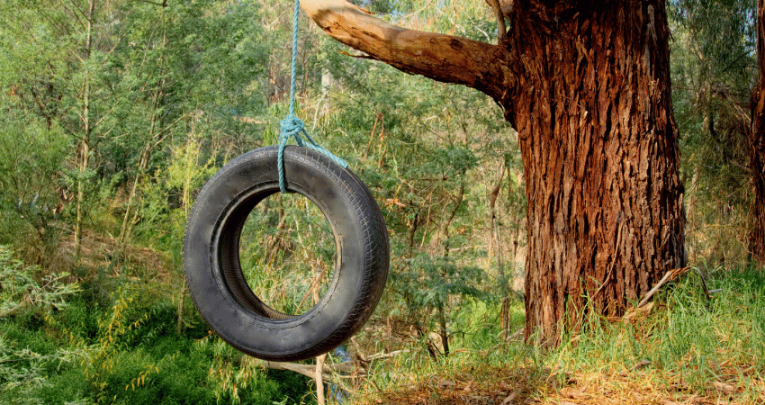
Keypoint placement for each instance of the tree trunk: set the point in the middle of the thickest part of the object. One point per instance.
(600, 155)
(84, 158)
(587, 86)
(757, 144)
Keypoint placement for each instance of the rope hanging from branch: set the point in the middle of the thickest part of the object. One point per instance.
(292, 126)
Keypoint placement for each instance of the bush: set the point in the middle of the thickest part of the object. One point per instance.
(27, 355)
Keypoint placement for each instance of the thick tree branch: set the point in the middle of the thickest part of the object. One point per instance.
(440, 57)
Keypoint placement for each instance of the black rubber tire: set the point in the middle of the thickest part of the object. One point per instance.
(215, 277)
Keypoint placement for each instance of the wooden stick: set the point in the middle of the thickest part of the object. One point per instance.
(380, 356)
(669, 276)
(309, 370)
(319, 377)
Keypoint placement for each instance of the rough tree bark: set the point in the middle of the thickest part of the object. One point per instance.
(599, 142)
(757, 147)
(587, 86)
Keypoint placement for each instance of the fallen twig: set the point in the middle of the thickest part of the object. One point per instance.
(671, 275)
(515, 335)
(309, 370)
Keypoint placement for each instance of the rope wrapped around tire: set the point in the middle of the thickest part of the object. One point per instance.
(213, 270)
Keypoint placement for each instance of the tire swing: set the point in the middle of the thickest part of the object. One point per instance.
(211, 246)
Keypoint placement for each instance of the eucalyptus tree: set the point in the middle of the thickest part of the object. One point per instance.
(587, 86)
(143, 74)
(66, 84)
(41, 50)
(32, 146)
(712, 70)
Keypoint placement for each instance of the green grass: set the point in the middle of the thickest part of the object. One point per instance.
(686, 347)
(123, 348)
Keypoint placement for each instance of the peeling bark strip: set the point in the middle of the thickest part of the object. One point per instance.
(587, 86)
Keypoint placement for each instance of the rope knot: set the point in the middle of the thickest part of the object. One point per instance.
(292, 127)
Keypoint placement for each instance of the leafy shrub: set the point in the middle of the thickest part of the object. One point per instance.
(27, 356)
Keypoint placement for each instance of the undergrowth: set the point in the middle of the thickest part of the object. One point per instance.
(60, 346)
(685, 348)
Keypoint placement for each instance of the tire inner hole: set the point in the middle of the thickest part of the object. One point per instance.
(288, 253)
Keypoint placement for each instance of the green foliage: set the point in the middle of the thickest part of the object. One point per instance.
(236, 378)
(431, 154)
(29, 200)
(288, 253)
(128, 353)
(177, 91)
(20, 292)
(713, 70)
(27, 358)
(427, 283)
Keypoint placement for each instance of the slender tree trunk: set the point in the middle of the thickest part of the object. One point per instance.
(187, 202)
(155, 131)
(504, 284)
(757, 144)
(599, 146)
(693, 244)
(757, 212)
(492, 200)
(443, 332)
(84, 158)
(156, 136)
(127, 222)
(457, 203)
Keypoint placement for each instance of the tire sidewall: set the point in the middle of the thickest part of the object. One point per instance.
(354, 218)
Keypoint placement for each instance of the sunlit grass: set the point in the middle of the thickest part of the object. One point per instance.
(686, 349)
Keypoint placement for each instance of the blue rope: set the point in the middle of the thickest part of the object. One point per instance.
(293, 71)
(292, 126)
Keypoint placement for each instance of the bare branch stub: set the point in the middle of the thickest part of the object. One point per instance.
(498, 12)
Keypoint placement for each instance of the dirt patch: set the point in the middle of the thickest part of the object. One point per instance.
(103, 252)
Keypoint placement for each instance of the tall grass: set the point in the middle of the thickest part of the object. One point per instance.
(686, 347)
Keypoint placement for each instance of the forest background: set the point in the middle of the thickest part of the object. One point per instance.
(113, 114)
